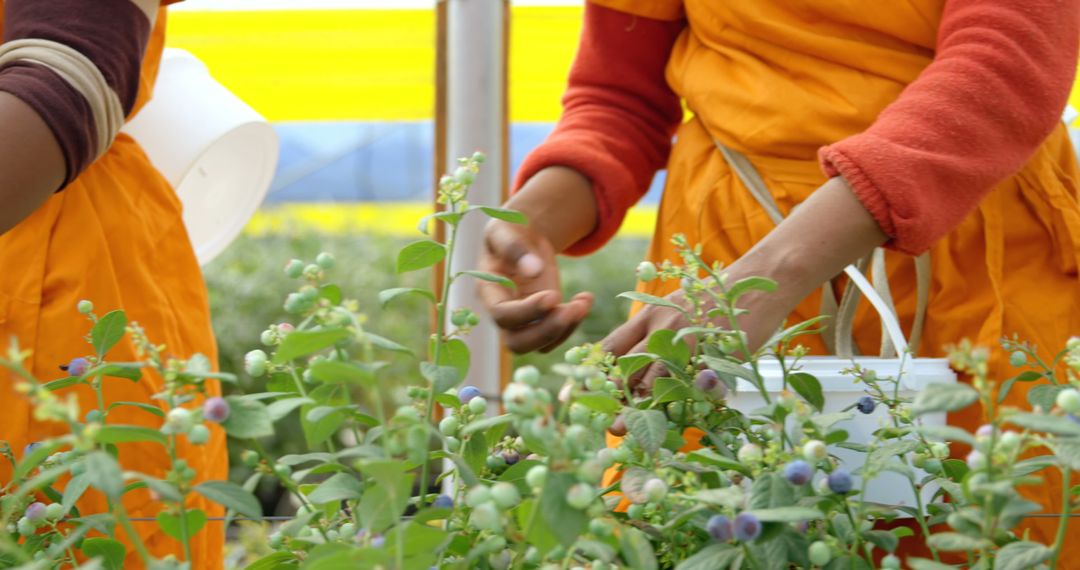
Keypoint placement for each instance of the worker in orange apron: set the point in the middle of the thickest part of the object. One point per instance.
(926, 126)
(86, 216)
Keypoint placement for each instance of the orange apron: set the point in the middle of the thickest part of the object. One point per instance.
(114, 236)
(778, 80)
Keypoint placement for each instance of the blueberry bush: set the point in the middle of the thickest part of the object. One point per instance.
(571, 467)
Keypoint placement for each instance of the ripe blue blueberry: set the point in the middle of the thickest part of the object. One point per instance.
(35, 512)
(467, 393)
(747, 527)
(216, 409)
(78, 366)
(719, 528)
(866, 405)
(840, 482)
(798, 472)
(443, 502)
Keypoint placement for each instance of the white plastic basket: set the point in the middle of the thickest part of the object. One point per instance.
(216, 151)
(841, 391)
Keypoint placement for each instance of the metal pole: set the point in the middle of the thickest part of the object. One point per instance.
(476, 120)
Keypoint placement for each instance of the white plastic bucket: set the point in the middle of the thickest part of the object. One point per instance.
(215, 150)
(841, 391)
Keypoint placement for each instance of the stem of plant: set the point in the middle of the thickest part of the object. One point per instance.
(121, 516)
(440, 332)
(1063, 522)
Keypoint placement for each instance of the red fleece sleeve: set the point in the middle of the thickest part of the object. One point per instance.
(619, 115)
(995, 90)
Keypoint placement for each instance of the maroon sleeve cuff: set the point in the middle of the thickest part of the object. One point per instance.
(63, 109)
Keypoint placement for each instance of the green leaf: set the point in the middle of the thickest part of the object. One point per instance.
(35, 458)
(111, 552)
(340, 487)
(381, 505)
(127, 370)
(483, 424)
(1043, 396)
(281, 408)
(709, 457)
(167, 491)
(231, 496)
(454, 352)
(104, 474)
(385, 343)
(769, 491)
(331, 293)
(303, 343)
(74, 490)
(670, 390)
(564, 521)
(882, 539)
(1022, 555)
(1044, 423)
(144, 407)
(336, 371)
(275, 561)
(633, 482)
(636, 550)
(631, 363)
(712, 557)
(600, 403)
(788, 514)
(62, 383)
(809, 388)
(651, 300)
(722, 366)
(536, 530)
(125, 434)
(944, 398)
(442, 378)
(388, 295)
(953, 542)
(512, 216)
(743, 286)
(248, 419)
(420, 254)
(1006, 387)
(946, 433)
(490, 277)
(107, 332)
(319, 429)
(663, 344)
(170, 524)
(649, 428)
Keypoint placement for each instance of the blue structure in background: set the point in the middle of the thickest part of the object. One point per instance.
(376, 161)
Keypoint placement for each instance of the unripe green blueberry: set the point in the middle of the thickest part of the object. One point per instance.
(890, 562)
(478, 405)
(579, 415)
(646, 271)
(449, 425)
(85, 307)
(495, 462)
(596, 382)
(282, 471)
(325, 260)
(486, 517)
(621, 454)
(453, 444)
(1018, 358)
(459, 317)
(1009, 442)
(576, 355)
(477, 496)
(199, 434)
(407, 414)
(702, 409)
(940, 449)
(918, 460)
(267, 338)
(537, 476)
(25, 527)
(814, 451)
(178, 420)
(95, 417)
(932, 465)
(54, 511)
(635, 511)
(600, 527)
(255, 363)
(249, 457)
(527, 375)
(505, 495)
(591, 471)
(1069, 400)
(580, 496)
(294, 268)
(820, 553)
(750, 453)
(676, 411)
(655, 490)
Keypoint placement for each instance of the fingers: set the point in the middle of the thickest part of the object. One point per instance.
(552, 329)
(629, 334)
(512, 313)
(513, 249)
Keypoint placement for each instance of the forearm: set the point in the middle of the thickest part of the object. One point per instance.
(560, 205)
(829, 231)
(31, 163)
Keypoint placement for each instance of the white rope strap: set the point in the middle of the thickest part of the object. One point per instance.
(81, 74)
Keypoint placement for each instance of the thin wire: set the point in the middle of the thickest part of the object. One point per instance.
(285, 518)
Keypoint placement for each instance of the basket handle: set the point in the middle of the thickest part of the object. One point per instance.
(888, 318)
